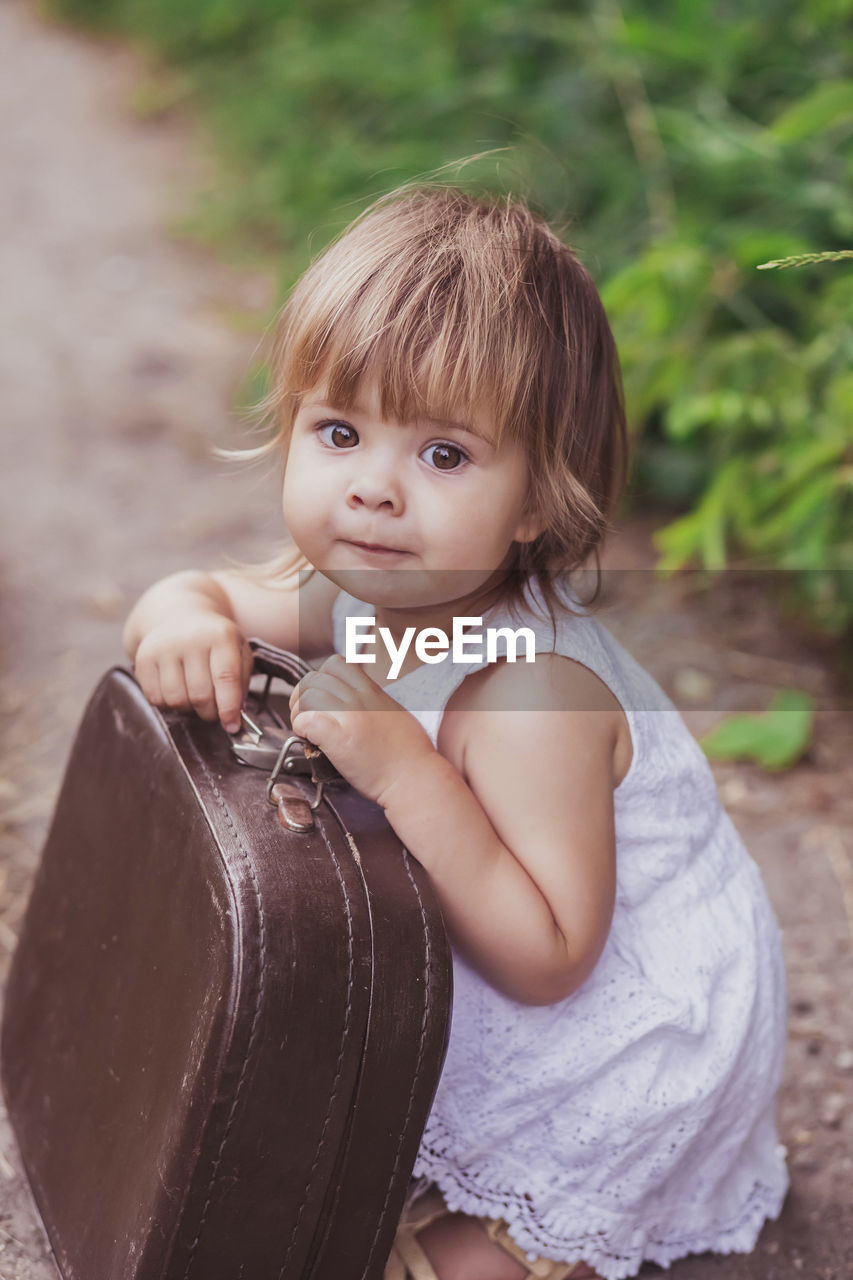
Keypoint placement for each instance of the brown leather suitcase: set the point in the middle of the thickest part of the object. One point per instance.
(221, 1036)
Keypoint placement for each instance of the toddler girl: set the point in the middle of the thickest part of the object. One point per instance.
(448, 402)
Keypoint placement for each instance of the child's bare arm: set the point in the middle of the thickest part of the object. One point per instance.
(524, 860)
(514, 821)
(187, 635)
(533, 906)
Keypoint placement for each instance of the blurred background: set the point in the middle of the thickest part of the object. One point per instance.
(168, 171)
(682, 144)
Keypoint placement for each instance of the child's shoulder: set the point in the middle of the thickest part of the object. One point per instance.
(510, 707)
(552, 681)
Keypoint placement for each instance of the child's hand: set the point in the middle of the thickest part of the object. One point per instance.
(367, 736)
(200, 662)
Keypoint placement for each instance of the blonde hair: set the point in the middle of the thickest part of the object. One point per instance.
(456, 305)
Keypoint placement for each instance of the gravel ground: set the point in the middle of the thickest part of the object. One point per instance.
(118, 363)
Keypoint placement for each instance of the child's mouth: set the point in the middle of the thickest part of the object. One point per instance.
(375, 548)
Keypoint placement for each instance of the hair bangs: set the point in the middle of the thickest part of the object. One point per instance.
(423, 314)
(469, 310)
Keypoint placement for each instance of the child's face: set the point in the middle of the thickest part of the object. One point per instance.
(365, 493)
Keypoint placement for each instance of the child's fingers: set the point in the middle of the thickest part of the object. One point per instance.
(227, 669)
(173, 687)
(199, 686)
(148, 678)
(319, 727)
(248, 663)
(319, 692)
(347, 673)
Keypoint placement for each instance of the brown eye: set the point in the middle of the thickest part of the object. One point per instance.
(444, 457)
(339, 434)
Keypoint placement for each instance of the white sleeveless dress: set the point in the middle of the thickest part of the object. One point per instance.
(634, 1120)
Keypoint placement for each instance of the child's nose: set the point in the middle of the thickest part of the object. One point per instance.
(377, 487)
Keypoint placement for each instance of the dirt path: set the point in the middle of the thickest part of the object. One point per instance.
(117, 367)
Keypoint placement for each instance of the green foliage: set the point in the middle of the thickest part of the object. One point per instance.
(807, 259)
(685, 144)
(775, 739)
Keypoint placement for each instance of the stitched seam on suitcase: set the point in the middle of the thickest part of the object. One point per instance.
(258, 999)
(427, 971)
(344, 1039)
(345, 1035)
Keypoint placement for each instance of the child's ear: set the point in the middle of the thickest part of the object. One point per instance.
(529, 527)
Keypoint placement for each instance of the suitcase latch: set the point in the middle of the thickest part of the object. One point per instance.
(294, 811)
(260, 748)
(275, 751)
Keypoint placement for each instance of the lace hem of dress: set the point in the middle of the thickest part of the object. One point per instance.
(615, 1248)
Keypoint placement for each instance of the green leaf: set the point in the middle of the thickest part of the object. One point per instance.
(791, 522)
(775, 739)
(679, 542)
(829, 104)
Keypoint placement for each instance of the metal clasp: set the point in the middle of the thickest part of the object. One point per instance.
(281, 763)
(277, 752)
(260, 748)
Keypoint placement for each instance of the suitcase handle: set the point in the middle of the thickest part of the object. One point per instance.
(274, 753)
(287, 666)
(277, 755)
(270, 661)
